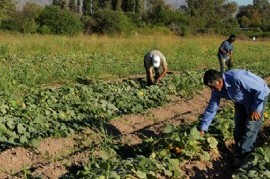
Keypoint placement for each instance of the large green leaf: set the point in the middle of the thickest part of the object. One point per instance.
(21, 129)
(212, 142)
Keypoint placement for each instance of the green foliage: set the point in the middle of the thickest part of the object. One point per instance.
(258, 165)
(161, 161)
(25, 20)
(62, 4)
(7, 7)
(227, 27)
(136, 19)
(157, 14)
(223, 125)
(116, 5)
(4, 50)
(134, 6)
(160, 14)
(111, 22)
(58, 112)
(60, 21)
(44, 30)
(72, 6)
(202, 12)
(255, 16)
(86, 7)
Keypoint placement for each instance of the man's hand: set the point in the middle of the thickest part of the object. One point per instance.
(152, 79)
(202, 133)
(158, 80)
(255, 116)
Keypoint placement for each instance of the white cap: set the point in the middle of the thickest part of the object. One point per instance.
(156, 61)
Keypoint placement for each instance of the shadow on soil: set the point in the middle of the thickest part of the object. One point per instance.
(220, 168)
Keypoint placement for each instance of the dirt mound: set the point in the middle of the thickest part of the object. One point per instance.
(14, 160)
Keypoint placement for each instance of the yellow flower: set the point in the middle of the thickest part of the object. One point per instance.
(141, 93)
(178, 150)
(265, 115)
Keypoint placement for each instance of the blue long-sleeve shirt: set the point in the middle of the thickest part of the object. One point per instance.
(240, 86)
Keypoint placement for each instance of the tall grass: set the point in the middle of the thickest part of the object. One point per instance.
(32, 60)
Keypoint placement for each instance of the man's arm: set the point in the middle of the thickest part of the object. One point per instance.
(164, 72)
(151, 76)
(231, 55)
(223, 51)
(223, 48)
(210, 112)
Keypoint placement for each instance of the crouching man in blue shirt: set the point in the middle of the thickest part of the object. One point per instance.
(249, 94)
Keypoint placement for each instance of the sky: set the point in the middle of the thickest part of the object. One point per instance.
(243, 2)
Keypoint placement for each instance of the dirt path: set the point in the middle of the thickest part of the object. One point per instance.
(150, 122)
(52, 155)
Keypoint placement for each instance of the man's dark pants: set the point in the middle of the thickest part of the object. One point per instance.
(246, 130)
(223, 62)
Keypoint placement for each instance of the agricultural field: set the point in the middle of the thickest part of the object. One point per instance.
(79, 107)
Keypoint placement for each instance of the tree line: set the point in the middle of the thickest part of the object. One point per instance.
(128, 16)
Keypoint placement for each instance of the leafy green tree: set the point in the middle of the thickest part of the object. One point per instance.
(25, 20)
(228, 10)
(255, 16)
(160, 14)
(138, 6)
(261, 4)
(263, 9)
(60, 21)
(103, 4)
(78, 5)
(116, 5)
(72, 5)
(7, 7)
(156, 13)
(87, 7)
(29, 16)
(205, 10)
(111, 22)
(211, 8)
(91, 6)
(248, 17)
(60, 3)
(132, 6)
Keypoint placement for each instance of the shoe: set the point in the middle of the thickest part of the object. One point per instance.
(237, 163)
(240, 160)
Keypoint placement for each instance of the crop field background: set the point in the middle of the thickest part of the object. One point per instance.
(79, 107)
(34, 60)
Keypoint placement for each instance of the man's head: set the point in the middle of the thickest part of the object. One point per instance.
(231, 39)
(156, 61)
(213, 79)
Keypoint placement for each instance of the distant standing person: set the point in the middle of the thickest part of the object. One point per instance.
(155, 65)
(225, 53)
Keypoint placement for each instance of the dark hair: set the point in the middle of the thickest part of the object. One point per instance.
(232, 38)
(211, 76)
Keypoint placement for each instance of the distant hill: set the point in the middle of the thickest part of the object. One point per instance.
(20, 3)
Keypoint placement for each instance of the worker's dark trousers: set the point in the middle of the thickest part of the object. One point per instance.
(246, 130)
